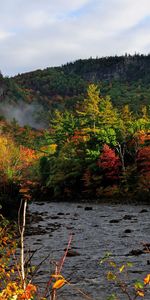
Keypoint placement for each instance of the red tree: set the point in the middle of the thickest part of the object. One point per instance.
(143, 166)
(110, 163)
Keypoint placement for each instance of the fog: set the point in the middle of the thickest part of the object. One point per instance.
(24, 114)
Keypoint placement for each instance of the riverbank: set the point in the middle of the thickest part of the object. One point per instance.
(10, 203)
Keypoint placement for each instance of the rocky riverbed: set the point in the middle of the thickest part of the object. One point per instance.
(123, 230)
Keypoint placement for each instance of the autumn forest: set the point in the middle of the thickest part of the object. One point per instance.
(85, 134)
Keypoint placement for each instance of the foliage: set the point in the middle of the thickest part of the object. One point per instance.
(98, 144)
(110, 163)
(11, 287)
(9, 156)
(143, 162)
(118, 274)
(7, 249)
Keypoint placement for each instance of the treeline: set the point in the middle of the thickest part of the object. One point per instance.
(98, 151)
(125, 78)
(124, 68)
(95, 152)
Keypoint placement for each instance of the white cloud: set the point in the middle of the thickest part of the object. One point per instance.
(4, 35)
(41, 33)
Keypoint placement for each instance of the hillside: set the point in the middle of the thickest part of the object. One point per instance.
(124, 68)
(125, 78)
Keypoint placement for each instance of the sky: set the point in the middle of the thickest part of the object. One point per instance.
(35, 34)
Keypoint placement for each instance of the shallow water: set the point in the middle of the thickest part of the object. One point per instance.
(96, 229)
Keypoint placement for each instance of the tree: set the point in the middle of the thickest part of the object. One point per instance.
(90, 106)
(143, 160)
(63, 126)
(110, 164)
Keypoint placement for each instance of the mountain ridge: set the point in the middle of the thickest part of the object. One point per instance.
(125, 78)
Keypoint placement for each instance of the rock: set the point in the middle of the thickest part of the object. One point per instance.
(76, 215)
(72, 253)
(70, 227)
(127, 217)
(114, 221)
(88, 208)
(36, 218)
(136, 252)
(54, 217)
(143, 211)
(128, 231)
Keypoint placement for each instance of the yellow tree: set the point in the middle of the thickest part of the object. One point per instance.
(90, 106)
(9, 157)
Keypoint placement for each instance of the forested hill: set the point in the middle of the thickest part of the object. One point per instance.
(123, 68)
(125, 78)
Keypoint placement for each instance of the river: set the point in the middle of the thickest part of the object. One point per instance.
(96, 229)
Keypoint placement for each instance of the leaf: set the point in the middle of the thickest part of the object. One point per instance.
(113, 264)
(147, 279)
(59, 283)
(27, 197)
(140, 293)
(121, 268)
(111, 276)
(106, 256)
(139, 285)
(24, 190)
(129, 264)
